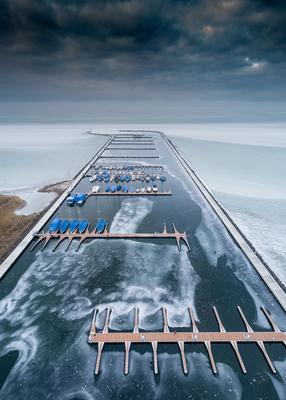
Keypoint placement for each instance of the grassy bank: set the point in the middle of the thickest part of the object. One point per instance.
(12, 226)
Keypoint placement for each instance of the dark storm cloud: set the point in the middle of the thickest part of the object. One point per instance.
(83, 46)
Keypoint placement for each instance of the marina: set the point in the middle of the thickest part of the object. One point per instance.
(141, 299)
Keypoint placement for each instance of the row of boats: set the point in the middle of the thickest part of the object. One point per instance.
(125, 189)
(106, 177)
(75, 226)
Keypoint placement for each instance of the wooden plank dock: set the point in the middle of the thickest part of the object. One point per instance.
(181, 338)
(81, 237)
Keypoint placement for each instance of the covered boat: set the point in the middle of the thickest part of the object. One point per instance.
(83, 226)
(107, 188)
(71, 200)
(80, 199)
(125, 189)
(64, 226)
(95, 189)
(100, 225)
(73, 226)
(93, 178)
(55, 225)
(113, 188)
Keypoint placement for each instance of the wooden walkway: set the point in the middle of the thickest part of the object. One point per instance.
(81, 237)
(193, 337)
(168, 193)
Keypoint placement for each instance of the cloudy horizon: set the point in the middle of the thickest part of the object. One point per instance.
(159, 59)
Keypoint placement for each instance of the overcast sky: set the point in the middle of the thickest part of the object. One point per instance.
(175, 59)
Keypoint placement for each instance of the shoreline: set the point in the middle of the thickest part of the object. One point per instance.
(14, 226)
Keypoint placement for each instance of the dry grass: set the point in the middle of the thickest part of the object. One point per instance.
(12, 226)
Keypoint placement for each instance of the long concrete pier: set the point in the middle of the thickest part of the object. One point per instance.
(274, 284)
(270, 279)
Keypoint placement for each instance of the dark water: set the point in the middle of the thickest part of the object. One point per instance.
(47, 301)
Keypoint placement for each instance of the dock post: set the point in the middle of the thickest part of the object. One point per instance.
(165, 320)
(211, 357)
(233, 343)
(259, 342)
(155, 357)
(98, 358)
(184, 362)
(126, 363)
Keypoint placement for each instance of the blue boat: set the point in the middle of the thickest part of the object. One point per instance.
(163, 178)
(107, 188)
(64, 226)
(80, 199)
(113, 188)
(100, 178)
(127, 179)
(119, 187)
(71, 200)
(122, 178)
(83, 226)
(73, 226)
(125, 189)
(55, 225)
(100, 225)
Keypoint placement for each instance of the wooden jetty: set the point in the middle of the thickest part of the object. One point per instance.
(136, 166)
(159, 193)
(81, 237)
(181, 338)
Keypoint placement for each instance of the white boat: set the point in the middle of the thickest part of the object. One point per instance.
(155, 188)
(137, 190)
(95, 189)
(149, 189)
(93, 178)
(143, 190)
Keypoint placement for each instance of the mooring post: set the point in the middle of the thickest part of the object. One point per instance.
(259, 342)
(155, 357)
(233, 343)
(165, 320)
(184, 362)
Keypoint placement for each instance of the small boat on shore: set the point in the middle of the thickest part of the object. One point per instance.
(73, 226)
(155, 188)
(64, 226)
(113, 188)
(107, 188)
(149, 189)
(125, 189)
(100, 226)
(83, 226)
(55, 225)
